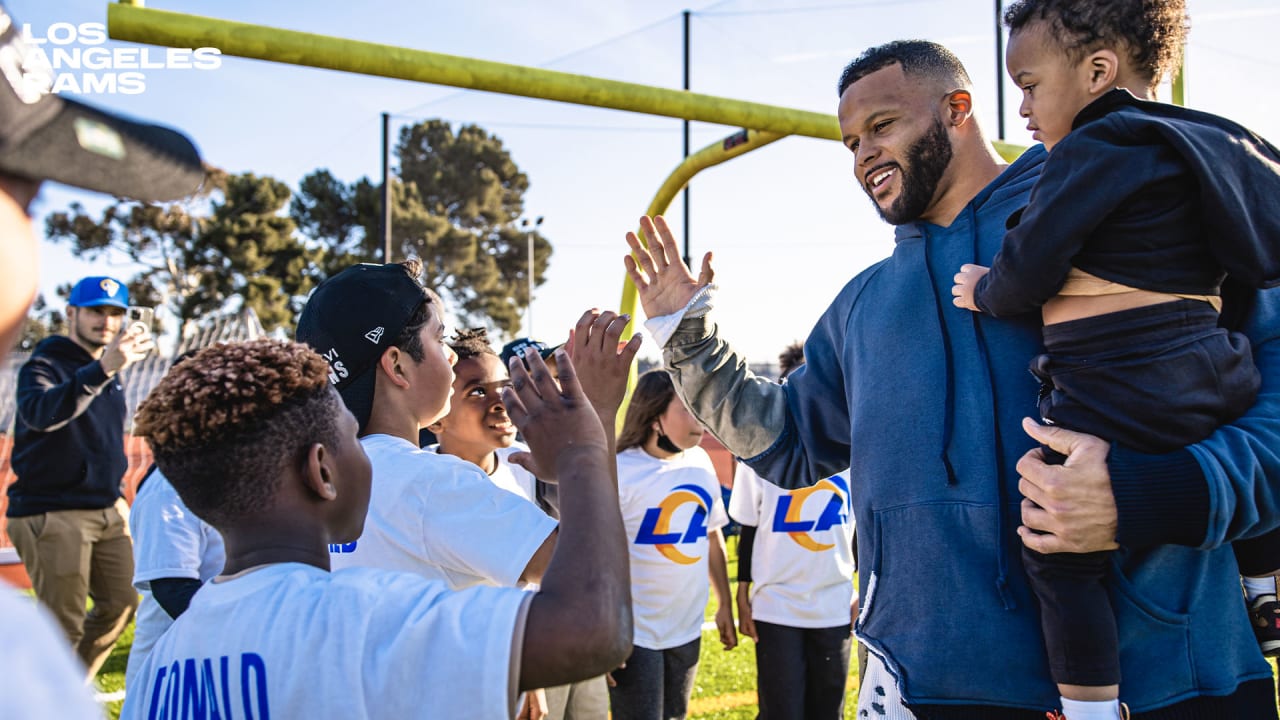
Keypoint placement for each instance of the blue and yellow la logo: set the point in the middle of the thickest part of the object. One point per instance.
(787, 518)
(109, 286)
(655, 529)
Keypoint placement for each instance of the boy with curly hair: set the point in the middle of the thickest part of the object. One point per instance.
(259, 445)
(1142, 211)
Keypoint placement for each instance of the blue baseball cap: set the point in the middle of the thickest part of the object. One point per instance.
(93, 291)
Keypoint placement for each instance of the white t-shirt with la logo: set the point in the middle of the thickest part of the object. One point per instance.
(802, 561)
(668, 507)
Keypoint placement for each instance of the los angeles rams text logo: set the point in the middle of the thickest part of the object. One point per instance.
(656, 530)
(787, 517)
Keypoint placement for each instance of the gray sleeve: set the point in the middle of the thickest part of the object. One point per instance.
(744, 412)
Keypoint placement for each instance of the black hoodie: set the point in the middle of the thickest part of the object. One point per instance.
(68, 445)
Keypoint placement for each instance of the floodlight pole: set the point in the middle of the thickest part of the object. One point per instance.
(686, 140)
(528, 309)
(386, 187)
(999, 72)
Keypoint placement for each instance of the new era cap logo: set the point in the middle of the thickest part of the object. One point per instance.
(374, 335)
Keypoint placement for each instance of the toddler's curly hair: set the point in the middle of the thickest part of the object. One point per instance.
(1151, 33)
(224, 424)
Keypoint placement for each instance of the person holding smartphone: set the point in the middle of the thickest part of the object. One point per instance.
(66, 509)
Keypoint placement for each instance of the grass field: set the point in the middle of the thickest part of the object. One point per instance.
(725, 688)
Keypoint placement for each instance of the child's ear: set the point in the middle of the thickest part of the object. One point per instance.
(392, 365)
(317, 472)
(959, 107)
(436, 427)
(1103, 67)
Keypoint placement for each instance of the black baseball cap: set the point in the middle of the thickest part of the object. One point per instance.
(44, 136)
(352, 318)
(519, 346)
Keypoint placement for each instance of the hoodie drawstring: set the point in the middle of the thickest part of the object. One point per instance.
(949, 410)
(949, 393)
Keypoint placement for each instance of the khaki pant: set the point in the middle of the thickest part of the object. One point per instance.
(585, 700)
(72, 555)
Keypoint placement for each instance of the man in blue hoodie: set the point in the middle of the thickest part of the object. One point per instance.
(67, 517)
(926, 407)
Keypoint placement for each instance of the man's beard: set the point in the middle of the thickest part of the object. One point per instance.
(927, 160)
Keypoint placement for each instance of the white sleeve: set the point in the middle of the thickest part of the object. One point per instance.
(168, 539)
(481, 529)
(661, 328)
(744, 502)
(458, 649)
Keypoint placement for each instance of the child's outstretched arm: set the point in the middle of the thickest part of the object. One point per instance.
(579, 623)
(966, 283)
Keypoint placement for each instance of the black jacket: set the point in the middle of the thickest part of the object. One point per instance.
(68, 446)
(1145, 194)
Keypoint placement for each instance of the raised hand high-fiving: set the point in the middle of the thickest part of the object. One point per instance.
(557, 420)
(663, 282)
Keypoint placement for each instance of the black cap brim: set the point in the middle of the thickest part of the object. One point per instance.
(95, 150)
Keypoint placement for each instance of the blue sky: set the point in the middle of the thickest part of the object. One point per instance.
(788, 224)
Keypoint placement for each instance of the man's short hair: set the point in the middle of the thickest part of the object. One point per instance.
(225, 424)
(919, 58)
(1151, 33)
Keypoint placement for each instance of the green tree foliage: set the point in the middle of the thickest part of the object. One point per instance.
(457, 204)
(233, 246)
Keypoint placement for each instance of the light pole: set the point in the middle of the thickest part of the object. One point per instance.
(529, 230)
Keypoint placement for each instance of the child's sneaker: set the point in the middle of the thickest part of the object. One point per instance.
(1264, 614)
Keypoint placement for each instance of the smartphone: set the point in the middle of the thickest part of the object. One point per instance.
(144, 315)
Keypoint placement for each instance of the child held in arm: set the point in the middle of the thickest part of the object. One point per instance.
(1141, 212)
(259, 445)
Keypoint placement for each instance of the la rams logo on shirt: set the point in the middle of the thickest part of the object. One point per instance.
(787, 516)
(656, 528)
